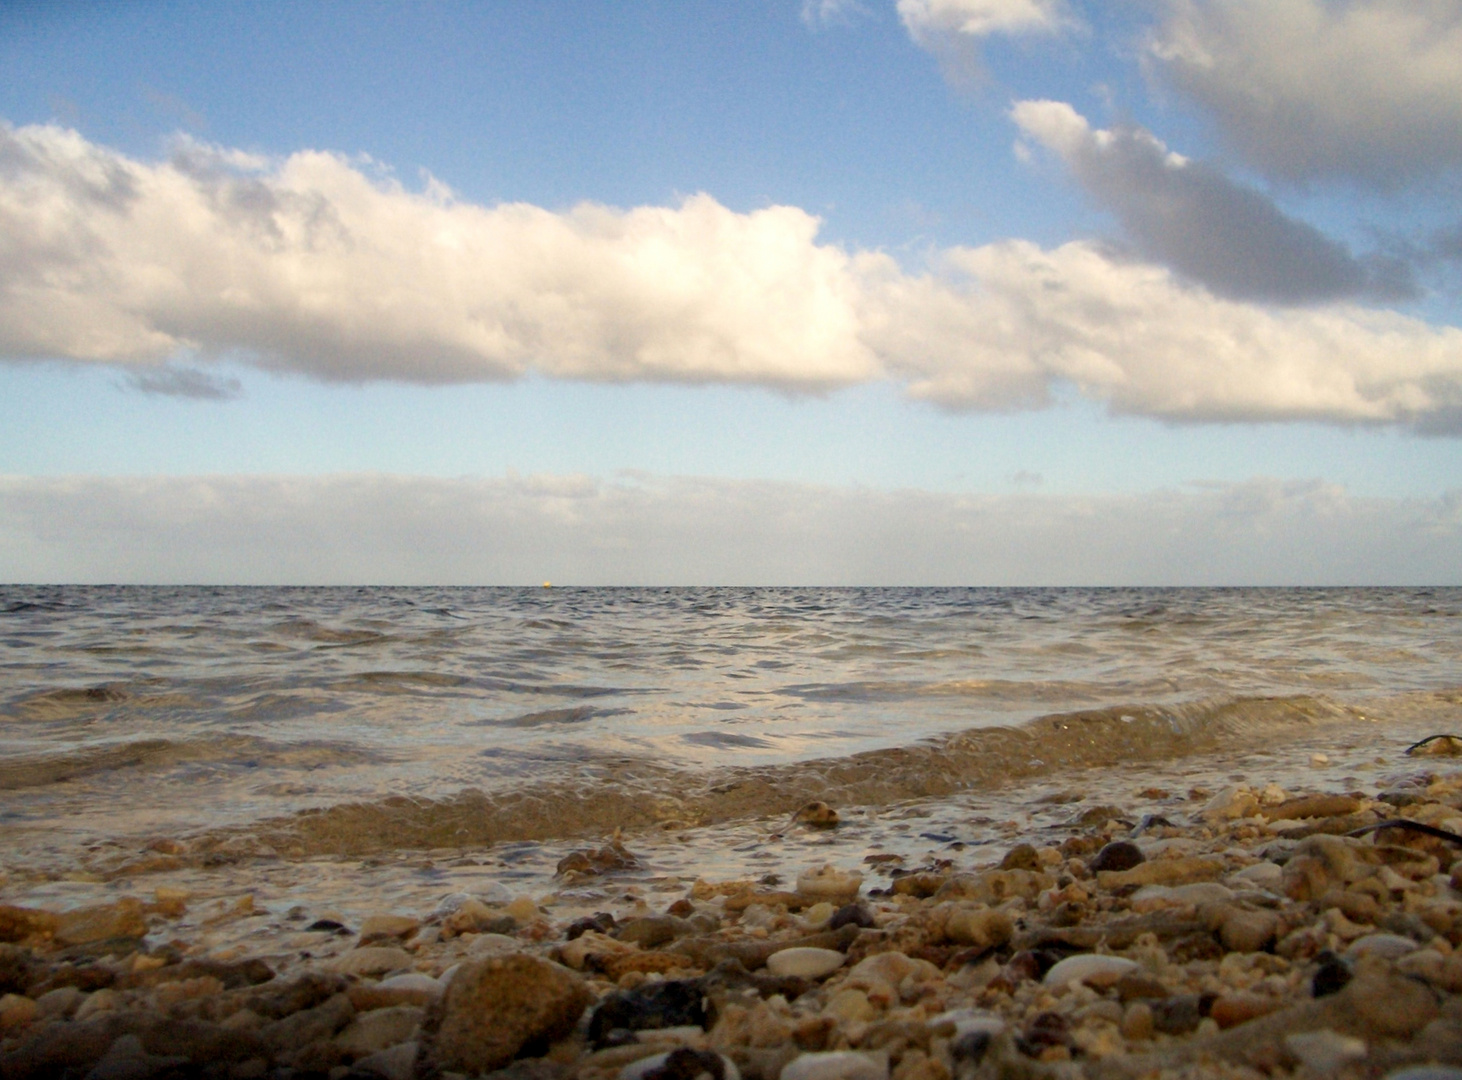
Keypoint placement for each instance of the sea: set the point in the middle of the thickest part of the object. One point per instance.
(354, 749)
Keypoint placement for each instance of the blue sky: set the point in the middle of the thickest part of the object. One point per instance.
(1246, 296)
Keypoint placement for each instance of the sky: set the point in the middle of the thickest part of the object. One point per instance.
(773, 292)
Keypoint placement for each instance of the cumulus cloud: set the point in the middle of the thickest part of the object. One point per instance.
(1368, 91)
(1131, 334)
(952, 29)
(1193, 218)
(411, 530)
(312, 265)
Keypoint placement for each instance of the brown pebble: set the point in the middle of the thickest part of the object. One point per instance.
(1312, 806)
(1135, 985)
(817, 815)
(1231, 1010)
(919, 884)
(1137, 1021)
(1021, 857)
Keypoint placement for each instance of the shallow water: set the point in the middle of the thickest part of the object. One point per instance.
(349, 722)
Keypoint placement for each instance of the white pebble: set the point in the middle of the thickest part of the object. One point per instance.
(1266, 875)
(1089, 966)
(806, 963)
(1324, 1051)
(1387, 946)
(836, 1065)
(968, 1020)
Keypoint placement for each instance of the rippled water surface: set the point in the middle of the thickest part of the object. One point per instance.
(124, 710)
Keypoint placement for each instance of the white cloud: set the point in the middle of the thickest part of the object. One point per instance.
(381, 529)
(981, 18)
(1130, 334)
(312, 267)
(952, 29)
(1363, 90)
(1192, 217)
(316, 268)
(819, 13)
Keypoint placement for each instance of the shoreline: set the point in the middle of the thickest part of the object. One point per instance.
(973, 901)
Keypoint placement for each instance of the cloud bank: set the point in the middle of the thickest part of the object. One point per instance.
(414, 530)
(319, 266)
(1361, 91)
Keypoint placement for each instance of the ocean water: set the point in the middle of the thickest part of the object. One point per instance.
(293, 724)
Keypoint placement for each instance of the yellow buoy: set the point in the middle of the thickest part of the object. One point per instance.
(548, 584)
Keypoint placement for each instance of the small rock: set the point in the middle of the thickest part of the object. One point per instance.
(830, 884)
(1117, 856)
(1264, 875)
(1092, 968)
(1331, 976)
(601, 922)
(16, 1012)
(1136, 984)
(494, 1007)
(1231, 804)
(1230, 1010)
(1324, 1051)
(668, 1004)
(836, 1065)
(590, 862)
(817, 815)
(1137, 1022)
(1248, 931)
(807, 963)
(850, 1006)
(126, 1059)
(1180, 871)
(1313, 806)
(652, 931)
(63, 1001)
(1388, 946)
(854, 914)
(373, 1031)
(682, 1063)
(124, 919)
(370, 960)
(396, 1063)
(1021, 857)
(982, 928)
(1176, 1015)
(388, 926)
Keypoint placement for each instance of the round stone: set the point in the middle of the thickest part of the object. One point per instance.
(806, 963)
(1089, 967)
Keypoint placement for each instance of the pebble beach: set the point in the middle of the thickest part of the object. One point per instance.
(1238, 915)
